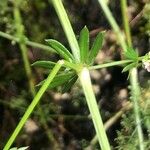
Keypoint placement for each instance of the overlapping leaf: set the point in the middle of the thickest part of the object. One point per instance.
(59, 79)
(45, 64)
(60, 49)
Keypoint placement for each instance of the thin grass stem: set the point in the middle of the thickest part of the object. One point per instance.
(24, 50)
(126, 22)
(135, 88)
(63, 17)
(110, 64)
(135, 92)
(113, 23)
(27, 42)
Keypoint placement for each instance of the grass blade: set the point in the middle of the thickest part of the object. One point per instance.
(60, 49)
(97, 45)
(84, 43)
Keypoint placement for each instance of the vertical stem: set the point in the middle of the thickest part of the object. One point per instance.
(113, 23)
(23, 48)
(94, 110)
(126, 22)
(135, 88)
(67, 28)
(33, 104)
(135, 92)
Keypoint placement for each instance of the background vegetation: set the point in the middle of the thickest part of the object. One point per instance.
(62, 119)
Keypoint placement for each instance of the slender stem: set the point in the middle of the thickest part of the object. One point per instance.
(23, 48)
(27, 42)
(94, 110)
(113, 23)
(123, 45)
(121, 62)
(33, 104)
(135, 92)
(67, 28)
(135, 88)
(126, 22)
(112, 120)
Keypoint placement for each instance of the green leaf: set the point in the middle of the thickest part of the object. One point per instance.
(58, 80)
(130, 66)
(60, 49)
(131, 54)
(97, 45)
(67, 86)
(84, 43)
(45, 64)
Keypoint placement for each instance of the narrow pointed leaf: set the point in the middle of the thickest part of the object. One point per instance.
(44, 64)
(58, 80)
(67, 86)
(131, 54)
(84, 43)
(130, 66)
(97, 45)
(60, 49)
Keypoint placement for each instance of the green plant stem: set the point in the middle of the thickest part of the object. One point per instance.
(135, 88)
(126, 22)
(133, 71)
(67, 28)
(112, 120)
(94, 110)
(110, 64)
(20, 34)
(113, 23)
(135, 92)
(33, 104)
(27, 42)
(23, 48)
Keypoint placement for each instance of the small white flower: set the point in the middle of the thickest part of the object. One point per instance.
(147, 65)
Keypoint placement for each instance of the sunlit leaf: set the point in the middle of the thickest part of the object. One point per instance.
(84, 43)
(60, 49)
